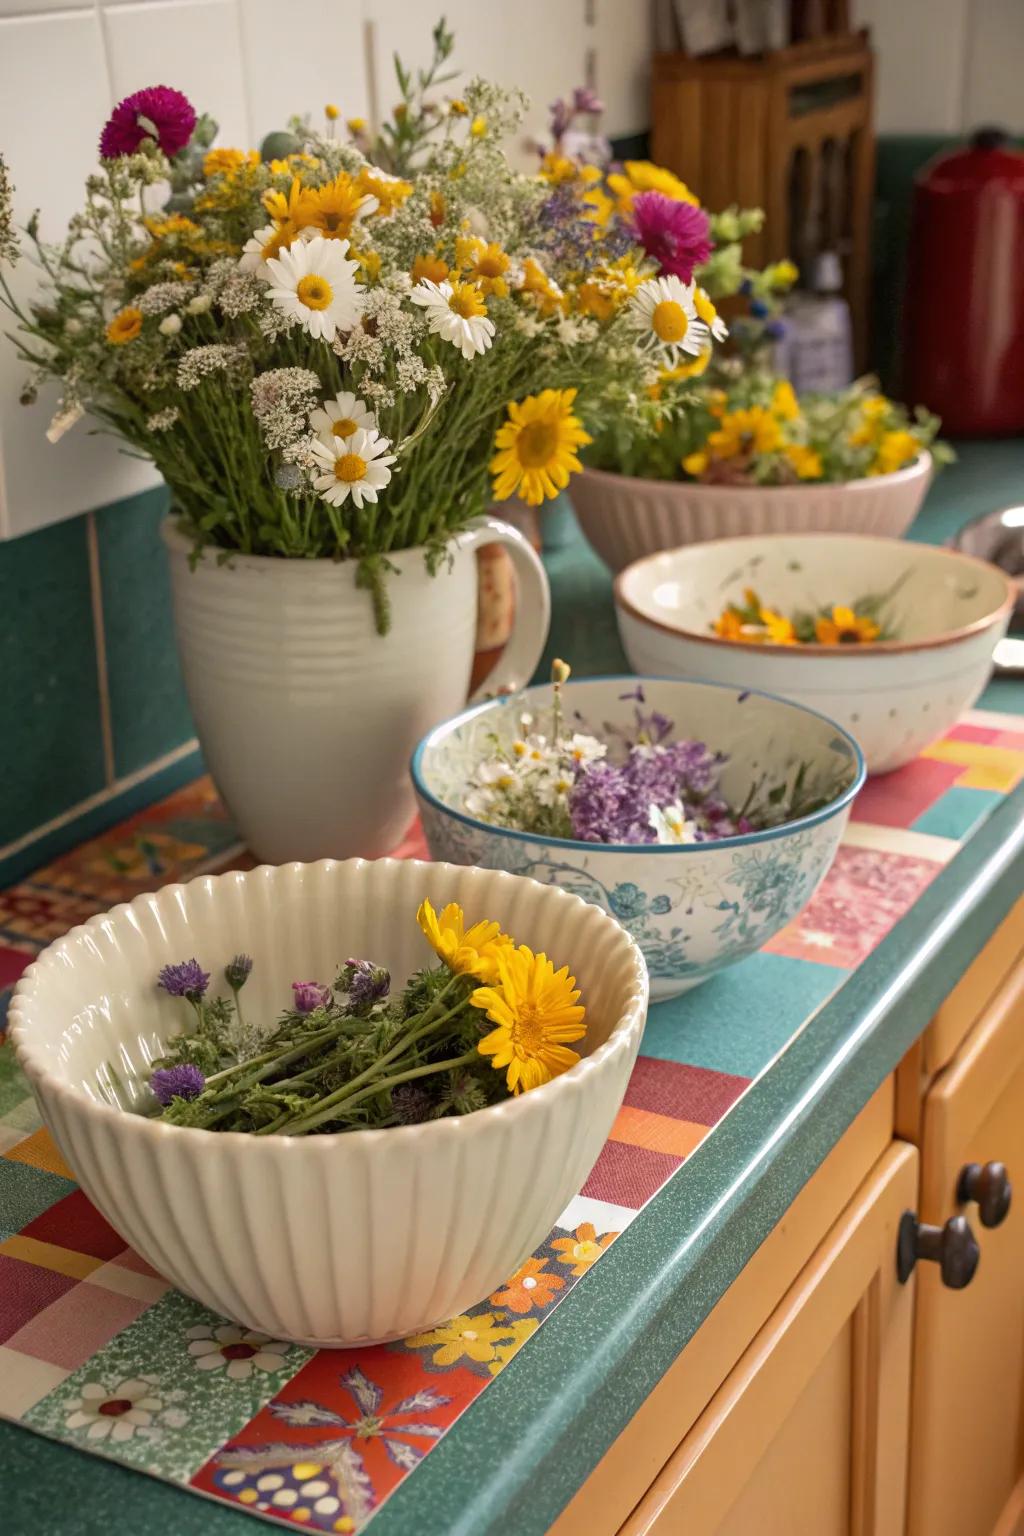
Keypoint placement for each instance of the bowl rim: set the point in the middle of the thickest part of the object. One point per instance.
(742, 839)
(27, 990)
(918, 466)
(868, 648)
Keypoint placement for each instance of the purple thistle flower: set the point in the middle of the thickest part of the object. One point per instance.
(586, 100)
(561, 117)
(309, 995)
(159, 112)
(237, 972)
(412, 1103)
(184, 1081)
(675, 234)
(188, 979)
(365, 982)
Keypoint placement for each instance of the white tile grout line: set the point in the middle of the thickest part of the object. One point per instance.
(370, 65)
(100, 641)
(118, 787)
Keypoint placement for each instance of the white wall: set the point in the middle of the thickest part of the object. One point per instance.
(947, 66)
(250, 63)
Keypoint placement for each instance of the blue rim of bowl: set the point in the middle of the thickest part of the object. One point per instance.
(743, 839)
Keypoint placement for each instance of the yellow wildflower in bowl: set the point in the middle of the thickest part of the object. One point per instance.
(537, 1013)
(469, 951)
(844, 626)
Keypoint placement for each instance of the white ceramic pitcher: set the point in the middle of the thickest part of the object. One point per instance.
(306, 716)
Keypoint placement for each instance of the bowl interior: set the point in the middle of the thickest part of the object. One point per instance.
(89, 1011)
(932, 592)
(767, 740)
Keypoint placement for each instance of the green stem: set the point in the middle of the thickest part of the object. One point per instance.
(327, 1111)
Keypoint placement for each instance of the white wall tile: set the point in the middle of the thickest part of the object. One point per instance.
(299, 70)
(623, 38)
(995, 65)
(536, 44)
(921, 47)
(49, 132)
(34, 7)
(194, 45)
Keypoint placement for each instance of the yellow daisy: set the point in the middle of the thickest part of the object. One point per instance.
(844, 627)
(469, 951)
(642, 176)
(894, 450)
(390, 191)
(433, 268)
(485, 264)
(333, 209)
(125, 326)
(537, 1013)
(741, 432)
(805, 461)
(223, 162)
(785, 405)
(537, 447)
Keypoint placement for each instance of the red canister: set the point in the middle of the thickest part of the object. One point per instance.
(964, 309)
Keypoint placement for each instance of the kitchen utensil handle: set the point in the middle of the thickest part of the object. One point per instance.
(525, 646)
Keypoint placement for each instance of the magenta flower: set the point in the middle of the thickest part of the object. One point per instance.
(310, 995)
(676, 234)
(158, 112)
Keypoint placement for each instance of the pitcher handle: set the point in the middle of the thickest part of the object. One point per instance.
(525, 646)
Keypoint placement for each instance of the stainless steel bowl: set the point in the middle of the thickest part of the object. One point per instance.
(999, 537)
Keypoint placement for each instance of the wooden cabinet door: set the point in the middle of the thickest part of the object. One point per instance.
(808, 1435)
(967, 1428)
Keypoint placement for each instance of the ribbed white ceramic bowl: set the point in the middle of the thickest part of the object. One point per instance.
(335, 1239)
(625, 518)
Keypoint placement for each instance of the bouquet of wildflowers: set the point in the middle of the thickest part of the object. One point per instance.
(492, 1020)
(348, 345)
(642, 786)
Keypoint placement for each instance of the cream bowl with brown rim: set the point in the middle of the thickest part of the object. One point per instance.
(947, 612)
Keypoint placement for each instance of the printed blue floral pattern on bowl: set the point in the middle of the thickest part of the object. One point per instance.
(694, 909)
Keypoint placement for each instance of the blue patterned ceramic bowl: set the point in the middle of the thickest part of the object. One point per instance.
(692, 909)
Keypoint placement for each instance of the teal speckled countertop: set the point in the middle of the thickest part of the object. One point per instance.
(520, 1451)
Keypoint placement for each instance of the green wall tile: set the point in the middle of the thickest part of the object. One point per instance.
(149, 712)
(51, 749)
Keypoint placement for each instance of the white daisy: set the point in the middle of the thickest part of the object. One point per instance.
(356, 466)
(341, 417)
(497, 774)
(115, 1414)
(236, 1351)
(664, 310)
(586, 749)
(457, 313)
(707, 312)
(314, 281)
(671, 825)
(260, 244)
(551, 787)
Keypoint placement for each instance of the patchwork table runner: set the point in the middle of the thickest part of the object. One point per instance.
(98, 1351)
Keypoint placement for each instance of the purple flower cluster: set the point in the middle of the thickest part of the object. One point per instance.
(159, 112)
(365, 982)
(308, 995)
(611, 802)
(675, 234)
(181, 1082)
(185, 980)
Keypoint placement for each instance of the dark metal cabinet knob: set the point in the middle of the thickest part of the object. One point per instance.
(953, 1247)
(989, 1185)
